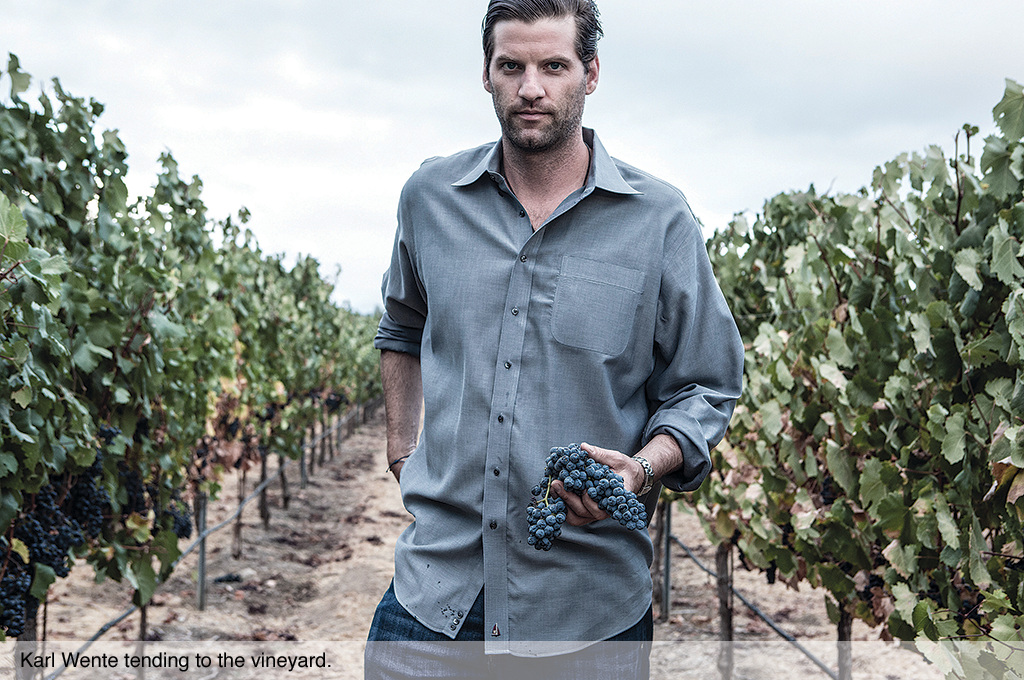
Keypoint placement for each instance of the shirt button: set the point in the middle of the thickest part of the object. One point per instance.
(497, 472)
(522, 213)
(522, 258)
(508, 364)
(515, 311)
(494, 525)
(501, 419)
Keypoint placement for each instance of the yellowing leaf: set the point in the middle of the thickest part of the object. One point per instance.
(1016, 491)
(19, 548)
(22, 397)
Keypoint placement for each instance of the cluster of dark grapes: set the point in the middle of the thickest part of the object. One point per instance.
(88, 501)
(50, 529)
(48, 533)
(181, 514)
(828, 491)
(131, 481)
(335, 401)
(13, 592)
(874, 581)
(580, 474)
(107, 433)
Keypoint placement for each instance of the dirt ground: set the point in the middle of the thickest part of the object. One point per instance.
(319, 570)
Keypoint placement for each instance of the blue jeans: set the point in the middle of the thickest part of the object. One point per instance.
(401, 648)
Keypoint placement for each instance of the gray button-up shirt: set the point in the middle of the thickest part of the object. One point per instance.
(606, 325)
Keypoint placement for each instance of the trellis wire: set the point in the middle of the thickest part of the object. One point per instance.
(750, 605)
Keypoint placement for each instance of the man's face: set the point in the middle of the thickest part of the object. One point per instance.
(538, 83)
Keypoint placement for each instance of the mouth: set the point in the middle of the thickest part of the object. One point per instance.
(530, 114)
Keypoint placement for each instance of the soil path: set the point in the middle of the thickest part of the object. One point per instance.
(319, 570)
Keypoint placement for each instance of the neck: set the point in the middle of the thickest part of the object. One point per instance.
(559, 171)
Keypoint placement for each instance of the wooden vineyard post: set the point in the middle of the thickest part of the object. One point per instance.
(285, 495)
(312, 448)
(666, 566)
(264, 506)
(333, 433)
(723, 566)
(236, 546)
(201, 527)
(140, 650)
(657, 529)
(845, 645)
(323, 435)
(303, 475)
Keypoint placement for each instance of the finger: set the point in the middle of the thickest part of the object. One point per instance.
(592, 507)
(576, 512)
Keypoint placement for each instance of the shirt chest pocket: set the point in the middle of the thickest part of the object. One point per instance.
(595, 305)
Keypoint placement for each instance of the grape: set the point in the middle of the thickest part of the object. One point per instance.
(580, 474)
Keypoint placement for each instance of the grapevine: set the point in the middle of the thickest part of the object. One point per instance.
(127, 323)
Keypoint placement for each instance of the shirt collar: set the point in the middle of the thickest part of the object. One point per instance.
(603, 172)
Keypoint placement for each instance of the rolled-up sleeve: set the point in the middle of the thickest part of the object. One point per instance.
(698, 372)
(405, 304)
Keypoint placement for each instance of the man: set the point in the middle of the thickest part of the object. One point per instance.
(541, 293)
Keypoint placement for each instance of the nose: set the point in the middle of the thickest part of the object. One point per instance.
(530, 87)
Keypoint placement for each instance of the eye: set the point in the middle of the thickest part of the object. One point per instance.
(508, 66)
(556, 66)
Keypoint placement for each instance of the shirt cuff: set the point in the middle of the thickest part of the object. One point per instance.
(391, 336)
(696, 459)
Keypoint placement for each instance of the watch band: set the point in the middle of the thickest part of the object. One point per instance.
(648, 474)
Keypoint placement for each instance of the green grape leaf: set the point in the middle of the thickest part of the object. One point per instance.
(902, 558)
(976, 562)
(13, 232)
(143, 578)
(998, 164)
(1009, 113)
(771, 415)
(1005, 256)
(954, 443)
(947, 525)
(906, 600)
(44, 578)
(87, 356)
(20, 80)
(966, 263)
(840, 465)
(165, 328)
(1008, 629)
(872, 490)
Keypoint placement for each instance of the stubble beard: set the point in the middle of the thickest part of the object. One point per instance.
(563, 126)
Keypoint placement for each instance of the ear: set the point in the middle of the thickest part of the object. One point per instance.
(487, 79)
(592, 75)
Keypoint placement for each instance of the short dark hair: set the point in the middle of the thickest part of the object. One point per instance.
(588, 23)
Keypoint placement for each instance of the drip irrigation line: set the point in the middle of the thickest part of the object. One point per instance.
(764, 617)
(256, 492)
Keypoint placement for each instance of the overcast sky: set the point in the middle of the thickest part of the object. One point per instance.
(312, 113)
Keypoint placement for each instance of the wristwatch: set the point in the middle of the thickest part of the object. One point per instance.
(648, 475)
